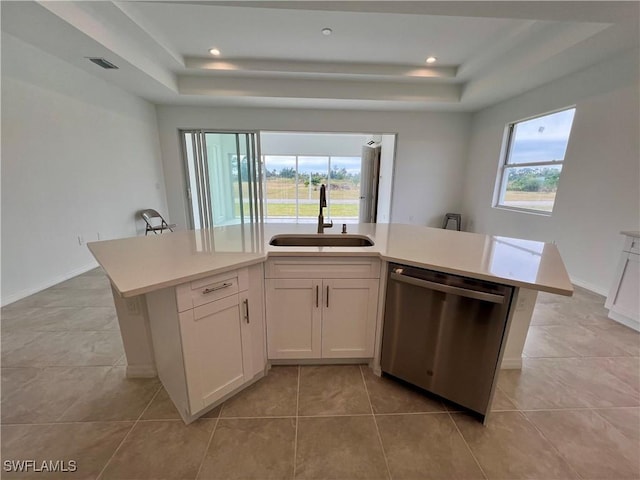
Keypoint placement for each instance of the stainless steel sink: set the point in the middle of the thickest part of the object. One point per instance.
(320, 240)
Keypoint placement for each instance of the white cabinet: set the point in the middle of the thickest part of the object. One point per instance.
(623, 300)
(349, 317)
(208, 338)
(216, 343)
(294, 318)
(321, 308)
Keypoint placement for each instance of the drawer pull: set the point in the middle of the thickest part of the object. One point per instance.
(327, 296)
(317, 295)
(246, 309)
(216, 288)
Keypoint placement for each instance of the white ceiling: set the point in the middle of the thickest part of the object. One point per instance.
(274, 55)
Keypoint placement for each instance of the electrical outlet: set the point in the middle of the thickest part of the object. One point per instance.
(98, 235)
(133, 306)
(80, 240)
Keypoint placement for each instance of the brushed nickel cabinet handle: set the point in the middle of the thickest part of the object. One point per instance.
(216, 288)
(246, 309)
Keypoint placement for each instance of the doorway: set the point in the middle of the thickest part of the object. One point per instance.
(350, 165)
(223, 177)
(237, 177)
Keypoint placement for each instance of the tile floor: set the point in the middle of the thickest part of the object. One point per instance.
(572, 412)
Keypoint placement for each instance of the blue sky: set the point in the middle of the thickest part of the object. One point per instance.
(312, 164)
(542, 139)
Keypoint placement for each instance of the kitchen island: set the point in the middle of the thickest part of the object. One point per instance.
(175, 292)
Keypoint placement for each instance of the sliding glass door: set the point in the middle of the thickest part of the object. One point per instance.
(223, 177)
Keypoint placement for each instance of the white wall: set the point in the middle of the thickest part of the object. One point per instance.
(79, 157)
(598, 193)
(385, 178)
(431, 150)
(294, 143)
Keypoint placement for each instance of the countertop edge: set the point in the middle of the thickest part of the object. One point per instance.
(338, 253)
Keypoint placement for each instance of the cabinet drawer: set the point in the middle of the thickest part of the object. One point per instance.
(327, 267)
(210, 289)
(632, 245)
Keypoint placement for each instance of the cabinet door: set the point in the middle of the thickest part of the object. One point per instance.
(254, 309)
(293, 318)
(216, 350)
(349, 317)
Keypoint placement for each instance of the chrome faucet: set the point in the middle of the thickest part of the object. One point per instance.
(323, 203)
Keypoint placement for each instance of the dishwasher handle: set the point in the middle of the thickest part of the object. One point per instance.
(440, 287)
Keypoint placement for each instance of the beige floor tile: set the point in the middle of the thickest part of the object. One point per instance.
(70, 297)
(541, 342)
(572, 341)
(115, 398)
(166, 449)
(388, 395)
(86, 282)
(68, 348)
(569, 382)
(251, 448)
(11, 315)
(273, 396)
(90, 445)
(501, 401)
(582, 308)
(423, 446)
(332, 390)
(162, 408)
(339, 448)
(618, 335)
(626, 369)
(31, 395)
(594, 448)
(510, 447)
(627, 420)
(41, 319)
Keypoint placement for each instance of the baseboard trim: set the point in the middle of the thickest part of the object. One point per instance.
(141, 371)
(14, 297)
(511, 364)
(624, 320)
(590, 286)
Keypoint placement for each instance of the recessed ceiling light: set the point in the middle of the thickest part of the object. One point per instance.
(214, 51)
(431, 59)
(327, 31)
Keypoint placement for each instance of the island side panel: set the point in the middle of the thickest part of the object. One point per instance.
(135, 331)
(512, 357)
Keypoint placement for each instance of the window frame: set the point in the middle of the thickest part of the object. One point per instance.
(298, 217)
(504, 165)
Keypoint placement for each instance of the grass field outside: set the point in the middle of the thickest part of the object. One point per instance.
(280, 200)
(542, 201)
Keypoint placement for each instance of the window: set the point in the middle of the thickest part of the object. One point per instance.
(292, 183)
(535, 151)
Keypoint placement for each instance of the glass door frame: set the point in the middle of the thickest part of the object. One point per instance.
(199, 152)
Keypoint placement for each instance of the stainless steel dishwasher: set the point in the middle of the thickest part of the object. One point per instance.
(445, 333)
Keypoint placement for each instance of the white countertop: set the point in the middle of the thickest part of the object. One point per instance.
(139, 265)
(631, 233)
